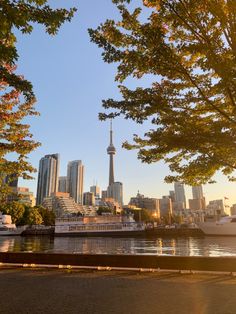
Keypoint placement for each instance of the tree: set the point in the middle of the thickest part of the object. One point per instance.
(15, 209)
(48, 216)
(16, 93)
(142, 215)
(188, 48)
(34, 217)
(103, 210)
(15, 136)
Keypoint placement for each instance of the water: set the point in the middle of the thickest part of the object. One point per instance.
(205, 246)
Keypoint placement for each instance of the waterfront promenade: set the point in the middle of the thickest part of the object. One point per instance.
(96, 292)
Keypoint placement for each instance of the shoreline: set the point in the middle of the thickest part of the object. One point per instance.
(107, 261)
(180, 232)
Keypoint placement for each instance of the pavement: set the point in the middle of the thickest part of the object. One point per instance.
(38, 291)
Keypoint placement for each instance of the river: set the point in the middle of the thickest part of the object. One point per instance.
(204, 246)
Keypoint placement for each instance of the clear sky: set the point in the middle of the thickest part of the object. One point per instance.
(70, 80)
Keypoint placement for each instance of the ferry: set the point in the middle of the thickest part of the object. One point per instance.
(226, 226)
(7, 228)
(104, 225)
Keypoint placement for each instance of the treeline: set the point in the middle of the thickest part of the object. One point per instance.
(23, 214)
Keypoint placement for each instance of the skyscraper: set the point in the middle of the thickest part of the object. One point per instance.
(47, 176)
(95, 190)
(198, 202)
(197, 192)
(62, 184)
(180, 198)
(115, 191)
(11, 180)
(75, 180)
(89, 199)
(111, 151)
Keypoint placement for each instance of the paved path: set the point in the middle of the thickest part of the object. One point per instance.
(96, 292)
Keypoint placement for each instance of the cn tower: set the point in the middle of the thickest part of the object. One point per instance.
(111, 151)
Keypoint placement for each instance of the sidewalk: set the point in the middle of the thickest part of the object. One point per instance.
(96, 292)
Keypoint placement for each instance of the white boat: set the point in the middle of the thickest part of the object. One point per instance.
(7, 228)
(226, 226)
(104, 225)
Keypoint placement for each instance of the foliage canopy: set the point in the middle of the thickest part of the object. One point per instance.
(16, 93)
(189, 49)
(22, 214)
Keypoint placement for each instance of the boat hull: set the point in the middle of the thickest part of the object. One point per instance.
(98, 226)
(10, 233)
(101, 234)
(212, 228)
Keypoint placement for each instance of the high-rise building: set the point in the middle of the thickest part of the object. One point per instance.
(198, 202)
(47, 176)
(62, 184)
(75, 180)
(197, 192)
(111, 151)
(165, 204)
(89, 199)
(172, 196)
(104, 194)
(95, 190)
(115, 191)
(11, 180)
(180, 199)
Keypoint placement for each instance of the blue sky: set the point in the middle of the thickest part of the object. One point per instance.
(70, 80)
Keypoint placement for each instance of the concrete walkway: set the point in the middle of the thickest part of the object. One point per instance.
(50, 291)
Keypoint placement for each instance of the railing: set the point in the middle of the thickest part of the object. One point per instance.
(108, 262)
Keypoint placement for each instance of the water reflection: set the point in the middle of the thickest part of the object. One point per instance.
(208, 246)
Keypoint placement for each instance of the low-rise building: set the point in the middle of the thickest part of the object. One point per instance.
(197, 204)
(233, 209)
(216, 208)
(22, 195)
(61, 204)
(141, 201)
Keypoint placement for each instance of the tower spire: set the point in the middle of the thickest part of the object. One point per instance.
(111, 151)
(111, 132)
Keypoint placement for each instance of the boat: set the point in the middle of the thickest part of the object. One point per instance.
(226, 226)
(100, 225)
(7, 228)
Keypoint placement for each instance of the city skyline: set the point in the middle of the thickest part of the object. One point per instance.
(73, 184)
(69, 100)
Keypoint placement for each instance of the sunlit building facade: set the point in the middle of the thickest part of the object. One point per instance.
(75, 180)
(62, 184)
(47, 177)
(180, 198)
